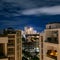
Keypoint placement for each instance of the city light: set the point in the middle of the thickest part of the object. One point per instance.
(30, 30)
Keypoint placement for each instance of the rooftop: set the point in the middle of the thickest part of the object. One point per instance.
(32, 34)
(53, 23)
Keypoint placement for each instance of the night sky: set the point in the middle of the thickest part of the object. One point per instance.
(34, 13)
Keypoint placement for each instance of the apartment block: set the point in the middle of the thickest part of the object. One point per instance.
(11, 45)
(15, 46)
(51, 43)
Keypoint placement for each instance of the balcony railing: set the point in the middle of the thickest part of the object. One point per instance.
(2, 56)
(52, 40)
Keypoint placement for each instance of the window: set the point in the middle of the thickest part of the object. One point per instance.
(11, 51)
(11, 42)
(11, 58)
(49, 27)
(1, 50)
(52, 40)
(52, 54)
(18, 40)
(11, 36)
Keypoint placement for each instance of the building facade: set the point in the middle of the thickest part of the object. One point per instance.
(13, 44)
(51, 43)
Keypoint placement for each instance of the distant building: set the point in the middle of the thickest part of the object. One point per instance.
(9, 30)
(31, 46)
(29, 30)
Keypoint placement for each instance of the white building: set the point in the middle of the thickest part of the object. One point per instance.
(51, 42)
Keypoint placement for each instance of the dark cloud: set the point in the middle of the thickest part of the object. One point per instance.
(11, 13)
(11, 8)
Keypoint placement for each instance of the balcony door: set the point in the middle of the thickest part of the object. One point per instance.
(1, 49)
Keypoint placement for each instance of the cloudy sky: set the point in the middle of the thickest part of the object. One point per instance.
(35, 13)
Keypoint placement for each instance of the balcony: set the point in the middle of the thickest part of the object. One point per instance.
(52, 54)
(2, 57)
(52, 40)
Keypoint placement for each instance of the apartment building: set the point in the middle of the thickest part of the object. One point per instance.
(3, 47)
(14, 45)
(51, 43)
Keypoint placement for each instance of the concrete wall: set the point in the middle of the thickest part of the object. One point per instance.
(3, 39)
(4, 59)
